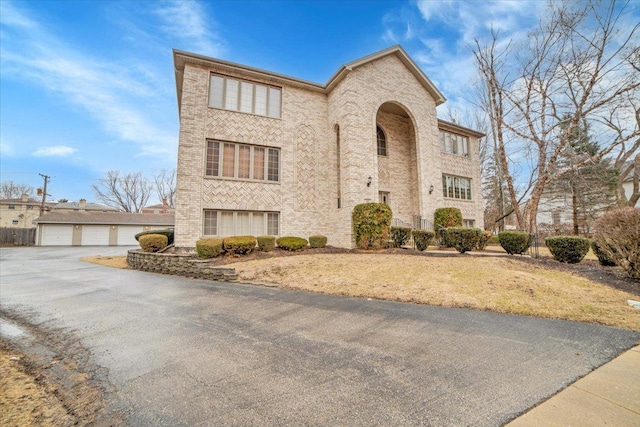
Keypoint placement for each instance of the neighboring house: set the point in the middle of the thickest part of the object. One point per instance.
(262, 153)
(161, 208)
(19, 213)
(84, 228)
(82, 205)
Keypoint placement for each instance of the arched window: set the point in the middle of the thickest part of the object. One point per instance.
(382, 141)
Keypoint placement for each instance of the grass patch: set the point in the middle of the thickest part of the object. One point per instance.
(498, 284)
(108, 261)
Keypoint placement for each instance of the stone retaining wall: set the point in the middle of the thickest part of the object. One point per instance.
(179, 265)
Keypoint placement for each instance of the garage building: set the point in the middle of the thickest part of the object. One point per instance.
(84, 228)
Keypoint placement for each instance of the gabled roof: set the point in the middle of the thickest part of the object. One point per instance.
(180, 58)
(20, 201)
(397, 51)
(110, 218)
(87, 206)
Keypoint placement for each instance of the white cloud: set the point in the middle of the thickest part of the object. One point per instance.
(55, 150)
(186, 20)
(6, 149)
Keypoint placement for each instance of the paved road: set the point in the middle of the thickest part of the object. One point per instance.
(192, 352)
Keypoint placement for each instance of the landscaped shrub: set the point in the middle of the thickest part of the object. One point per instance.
(317, 241)
(371, 224)
(400, 236)
(570, 249)
(603, 258)
(444, 218)
(618, 236)
(464, 239)
(266, 243)
(239, 245)
(422, 238)
(209, 247)
(164, 231)
(514, 242)
(289, 243)
(153, 242)
(483, 241)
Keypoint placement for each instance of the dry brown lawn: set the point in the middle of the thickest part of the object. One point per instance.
(487, 280)
(108, 261)
(495, 283)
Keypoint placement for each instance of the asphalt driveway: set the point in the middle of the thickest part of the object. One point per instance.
(176, 351)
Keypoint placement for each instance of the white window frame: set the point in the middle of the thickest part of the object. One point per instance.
(208, 215)
(456, 187)
(272, 106)
(453, 143)
(268, 151)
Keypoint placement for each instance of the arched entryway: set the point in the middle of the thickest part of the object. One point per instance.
(397, 162)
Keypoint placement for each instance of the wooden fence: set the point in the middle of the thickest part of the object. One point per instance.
(17, 236)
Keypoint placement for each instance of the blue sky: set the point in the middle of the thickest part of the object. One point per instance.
(88, 86)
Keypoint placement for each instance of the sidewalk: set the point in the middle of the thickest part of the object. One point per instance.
(608, 396)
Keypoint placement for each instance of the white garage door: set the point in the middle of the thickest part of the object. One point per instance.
(57, 235)
(95, 235)
(126, 234)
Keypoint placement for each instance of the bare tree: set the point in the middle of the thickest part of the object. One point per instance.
(579, 66)
(627, 161)
(165, 186)
(14, 190)
(127, 193)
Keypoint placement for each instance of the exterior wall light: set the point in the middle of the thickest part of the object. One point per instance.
(431, 189)
(369, 182)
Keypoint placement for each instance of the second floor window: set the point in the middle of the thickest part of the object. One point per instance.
(456, 187)
(382, 141)
(231, 160)
(454, 144)
(247, 97)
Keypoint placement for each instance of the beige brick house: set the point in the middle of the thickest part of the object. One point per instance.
(262, 153)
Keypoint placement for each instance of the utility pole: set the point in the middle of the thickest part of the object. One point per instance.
(44, 192)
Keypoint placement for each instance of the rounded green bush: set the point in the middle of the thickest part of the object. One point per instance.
(164, 231)
(266, 243)
(484, 240)
(603, 258)
(569, 249)
(400, 236)
(317, 241)
(239, 245)
(371, 223)
(422, 238)
(209, 247)
(464, 239)
(514, 242)
(289, 243)
(153, 242)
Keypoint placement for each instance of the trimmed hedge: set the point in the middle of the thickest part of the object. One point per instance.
(239, 245)
(569, 249)
(371, 224)
(209, 247)
(317, 241)
(164, 231)
(153, 242)
(618, 235)
(514, 242)
(483, 241)
(422, 238)
(603, 258)
(289, 243)
(447, 217)
(266, 243)
(464, 239)
(400, 236)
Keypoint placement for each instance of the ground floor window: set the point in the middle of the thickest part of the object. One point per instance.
(468, 223)
(456, 187)
(240, 223)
